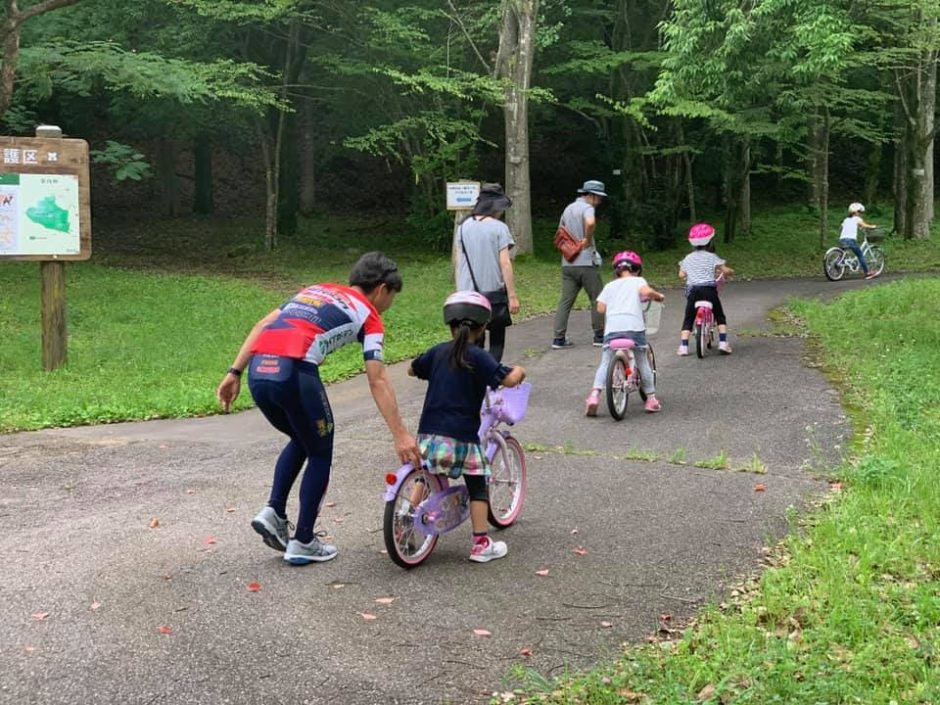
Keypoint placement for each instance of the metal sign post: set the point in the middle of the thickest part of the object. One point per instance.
(45, 216)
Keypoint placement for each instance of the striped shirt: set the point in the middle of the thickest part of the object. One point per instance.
(320, 319)
(699, 268)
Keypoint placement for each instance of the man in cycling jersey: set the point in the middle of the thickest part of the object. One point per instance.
(283, 353)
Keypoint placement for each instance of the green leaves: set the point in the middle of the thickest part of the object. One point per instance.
(124, 161)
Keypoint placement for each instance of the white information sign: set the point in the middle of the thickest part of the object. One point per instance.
(39, 214)
(462, 195)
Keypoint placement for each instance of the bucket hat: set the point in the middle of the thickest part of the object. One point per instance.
(595, 187)
(492, 199)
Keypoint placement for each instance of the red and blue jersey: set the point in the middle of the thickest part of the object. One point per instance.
(320, 319)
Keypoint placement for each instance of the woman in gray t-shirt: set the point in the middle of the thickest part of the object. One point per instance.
(483, 263)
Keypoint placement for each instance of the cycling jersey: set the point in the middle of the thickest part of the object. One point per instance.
(320, 319)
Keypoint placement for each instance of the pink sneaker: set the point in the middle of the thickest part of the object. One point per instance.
(724, 348)
(683, 351)
(592, 402)
(652, 405)
(488, 550)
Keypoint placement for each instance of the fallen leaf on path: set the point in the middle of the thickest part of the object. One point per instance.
(338, 520)
(525, 652)
(39, 616)
(607, 625)
(580, 551)
(210, 540)
(385, 600)
(368, 617)
(631, 696)
(383, 552)
(707, 692)
(95, 605)
(482, 632)
(230, 509)
(542, 572)
(330, 504)
(29, 649)
(665, 617)
(337, 586)
(574, 531)
(190, 491)
(836, 486)
(154, 523)
(164, 629)
(759, 488)
(254, 587)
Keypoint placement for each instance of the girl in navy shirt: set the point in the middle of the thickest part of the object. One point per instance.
(458, 374)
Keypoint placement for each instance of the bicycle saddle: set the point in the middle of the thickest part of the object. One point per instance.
(622, 344)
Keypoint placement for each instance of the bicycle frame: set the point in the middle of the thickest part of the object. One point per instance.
(850, 259)
(491, 436)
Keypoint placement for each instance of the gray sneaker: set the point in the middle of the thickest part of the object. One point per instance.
(314, 552)
(562, 343)
(273, 529)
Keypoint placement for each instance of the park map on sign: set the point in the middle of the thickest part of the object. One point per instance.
(39, 214)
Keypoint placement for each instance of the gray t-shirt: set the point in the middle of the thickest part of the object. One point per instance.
(484, 240)
(573, 219)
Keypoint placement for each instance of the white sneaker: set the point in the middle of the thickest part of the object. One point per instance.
(683, 351)
(724, 348)
(490, 550)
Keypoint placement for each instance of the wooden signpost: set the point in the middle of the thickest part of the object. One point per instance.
(45, 216)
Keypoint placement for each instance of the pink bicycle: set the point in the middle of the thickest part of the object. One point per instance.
(421, 505)
(705, 328)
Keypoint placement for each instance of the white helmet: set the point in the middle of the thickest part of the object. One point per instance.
(856, 208)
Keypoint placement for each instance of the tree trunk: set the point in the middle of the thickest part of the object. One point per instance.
(687, 165)
(166, 175)
(746, 187)
(10, 38)
(270, 183)
(821, 175)
(732, 190)
(202, 193)
(922, 163)
(306, 153)
(514, 64)
(900, 185)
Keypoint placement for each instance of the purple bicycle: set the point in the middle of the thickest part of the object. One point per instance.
(421, 505)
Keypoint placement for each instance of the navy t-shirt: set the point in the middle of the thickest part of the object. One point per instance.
(455, 394)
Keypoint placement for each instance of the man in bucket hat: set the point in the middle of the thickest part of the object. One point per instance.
(584, 271)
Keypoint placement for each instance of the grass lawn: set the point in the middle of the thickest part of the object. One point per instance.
(157, 314)
(851, 611)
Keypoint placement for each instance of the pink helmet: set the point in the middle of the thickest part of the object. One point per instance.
(701, 234)
(467, 306)
(628, 258)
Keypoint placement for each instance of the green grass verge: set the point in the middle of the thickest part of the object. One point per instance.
(161, 308)
(851, 611)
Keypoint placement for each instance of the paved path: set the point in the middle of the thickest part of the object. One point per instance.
(75, 506)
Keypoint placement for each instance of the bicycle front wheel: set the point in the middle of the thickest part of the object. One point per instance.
(876, 260)
(507, 483)
(834, 264)
(617, 388)
(406, 546)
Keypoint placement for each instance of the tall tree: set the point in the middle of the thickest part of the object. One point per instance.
(514, 65)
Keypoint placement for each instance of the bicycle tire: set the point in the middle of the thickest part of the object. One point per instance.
(700, 333)
(652, 360)
(406, 546)
(508, 483)
(876, 260)
(617, 394)
(834, 264)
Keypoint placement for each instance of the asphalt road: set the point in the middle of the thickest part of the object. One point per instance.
(76, 508)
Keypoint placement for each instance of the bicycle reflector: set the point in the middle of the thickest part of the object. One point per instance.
(391, 478)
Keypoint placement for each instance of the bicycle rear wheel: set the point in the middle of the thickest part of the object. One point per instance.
(876, 260)
(507, 483)
(617, 388)
(834, 264)
(407, 546)
(652, 360)
(703, 338)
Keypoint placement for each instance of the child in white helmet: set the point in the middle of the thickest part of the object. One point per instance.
(848, 238)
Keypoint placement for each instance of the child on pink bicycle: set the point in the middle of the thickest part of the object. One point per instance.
(458, 374)
(621, 303)
(701, 269)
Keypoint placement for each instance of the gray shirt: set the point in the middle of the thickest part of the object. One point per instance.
(573, 220)
(484, 240)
